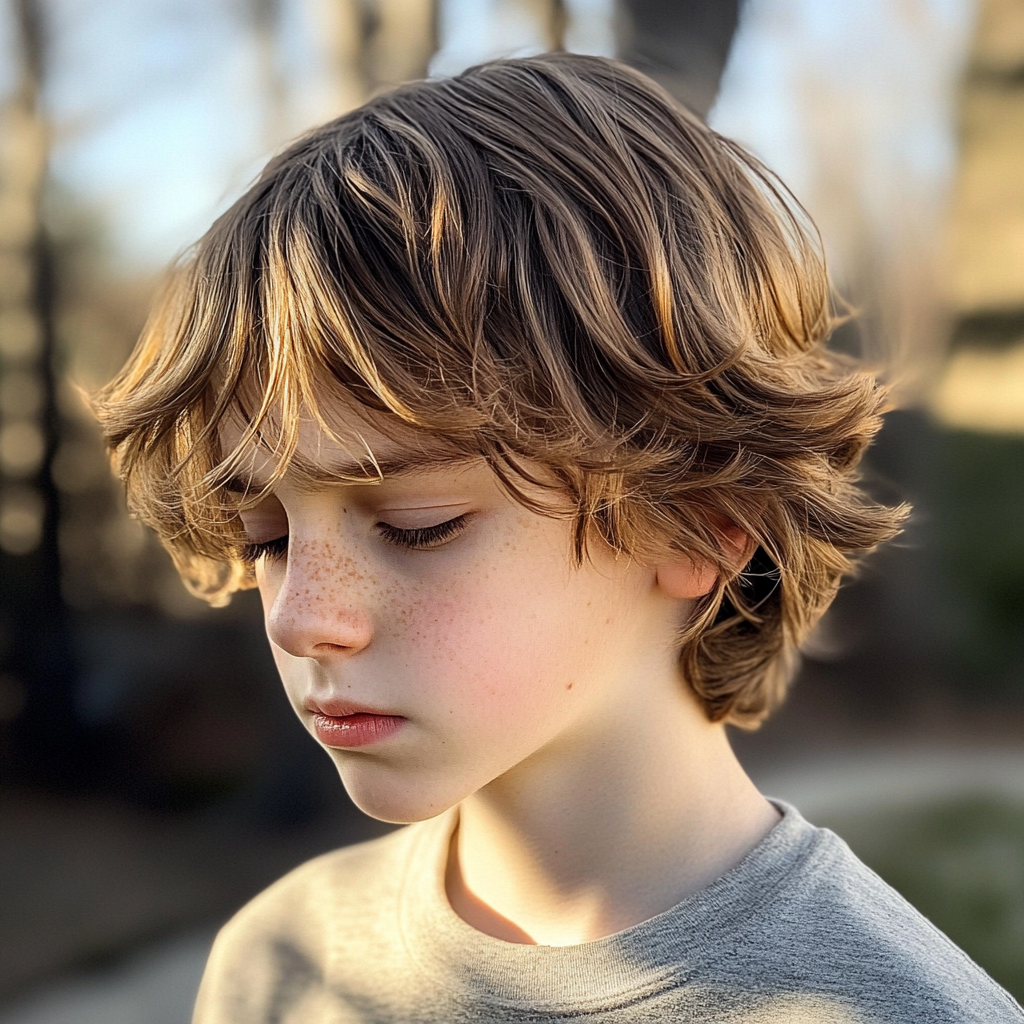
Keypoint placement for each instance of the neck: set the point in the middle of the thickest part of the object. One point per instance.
(576, 844)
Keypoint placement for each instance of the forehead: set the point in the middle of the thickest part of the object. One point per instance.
(351, 446)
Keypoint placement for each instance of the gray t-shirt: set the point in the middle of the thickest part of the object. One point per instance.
(799, 932)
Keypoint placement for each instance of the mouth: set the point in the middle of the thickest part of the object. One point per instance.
(342, 724)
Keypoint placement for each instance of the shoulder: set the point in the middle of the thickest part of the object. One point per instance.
(321, 887)
(844, 932)
(278, 945)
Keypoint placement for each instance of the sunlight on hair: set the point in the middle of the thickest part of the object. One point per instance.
(589, 285)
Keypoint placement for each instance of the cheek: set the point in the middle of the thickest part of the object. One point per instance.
(506, 645)
(461, 646)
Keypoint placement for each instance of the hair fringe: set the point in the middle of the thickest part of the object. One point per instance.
(548, 264)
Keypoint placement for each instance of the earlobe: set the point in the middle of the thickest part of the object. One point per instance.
(687, 578)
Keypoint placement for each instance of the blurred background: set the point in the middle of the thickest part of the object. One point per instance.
(152, 777)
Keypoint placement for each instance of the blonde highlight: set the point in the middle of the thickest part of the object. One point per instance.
(539, 262)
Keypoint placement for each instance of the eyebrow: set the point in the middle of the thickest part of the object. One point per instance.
(353, 472)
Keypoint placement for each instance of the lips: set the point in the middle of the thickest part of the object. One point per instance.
(339, 723)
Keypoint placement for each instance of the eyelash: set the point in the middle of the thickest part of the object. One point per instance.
(252, 552)
(421, 538)
(424, 536)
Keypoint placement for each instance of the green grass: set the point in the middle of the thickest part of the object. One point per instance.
(977, 506)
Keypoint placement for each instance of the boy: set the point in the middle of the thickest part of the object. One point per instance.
(509, 393)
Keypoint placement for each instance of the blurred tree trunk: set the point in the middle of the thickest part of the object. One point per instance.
(683, 44)
(373, 44)
(401, 39)
(340, 26)
(982, 387)
(36, 648)
(552, 18)
(265, 17)
(988, 211)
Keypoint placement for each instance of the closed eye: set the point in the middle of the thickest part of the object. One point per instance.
(423, 536)
(274, 549)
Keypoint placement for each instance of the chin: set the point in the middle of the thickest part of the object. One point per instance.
(399, 798)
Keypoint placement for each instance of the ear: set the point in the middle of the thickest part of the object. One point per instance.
(689, 577)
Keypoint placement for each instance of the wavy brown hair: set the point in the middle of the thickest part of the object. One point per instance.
(549, 264)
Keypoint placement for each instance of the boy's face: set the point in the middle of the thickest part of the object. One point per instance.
(435, 636)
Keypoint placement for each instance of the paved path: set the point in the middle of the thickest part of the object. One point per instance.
(155, 986)
(868, 779)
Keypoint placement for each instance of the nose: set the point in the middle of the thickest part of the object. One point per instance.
(320, 610)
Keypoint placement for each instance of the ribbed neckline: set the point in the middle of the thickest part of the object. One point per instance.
(650, 956)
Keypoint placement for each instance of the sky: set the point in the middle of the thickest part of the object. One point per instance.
(855, 98)
(157, 102)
